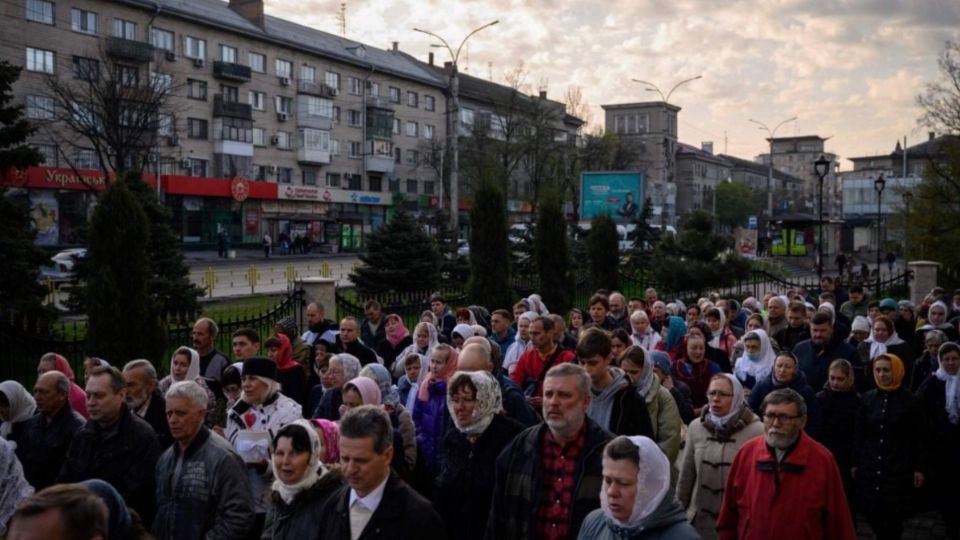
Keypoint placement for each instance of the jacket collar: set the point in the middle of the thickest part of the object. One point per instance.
(202, 436)
(386, 510)
(794, 462)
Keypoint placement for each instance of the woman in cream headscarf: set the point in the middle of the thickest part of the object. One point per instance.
(469, 453)
(16, 405)
(185, 366)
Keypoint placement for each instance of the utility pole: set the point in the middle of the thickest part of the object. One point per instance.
(772, 133)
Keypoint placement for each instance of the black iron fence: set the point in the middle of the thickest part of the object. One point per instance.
(25, 342)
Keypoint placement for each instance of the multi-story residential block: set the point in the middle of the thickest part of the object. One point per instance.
(796, 156)
(787, 188)
(699, 172)
(270, 126)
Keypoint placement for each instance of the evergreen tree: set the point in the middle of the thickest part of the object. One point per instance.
(123, 320)
(19, 265)
(645, 235)
(697, 258)
(489, 283)
(400, 257)
(454, 267)
(553, 259)
(603, 253)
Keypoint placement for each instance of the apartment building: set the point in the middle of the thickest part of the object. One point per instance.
(271, 127)
(795, 156)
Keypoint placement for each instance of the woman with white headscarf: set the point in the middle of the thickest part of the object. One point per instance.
(464, 486)
(302, 486)
(636, 500)
(940, 395)
(757, 359)
(712, 442)
(16, 405)
(185, 366)
(937, 320)
(425, 338)
(14, 487)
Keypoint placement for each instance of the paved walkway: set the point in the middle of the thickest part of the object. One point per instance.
(924, 526)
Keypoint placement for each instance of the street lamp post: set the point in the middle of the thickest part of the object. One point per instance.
(879, 184)
(666, 149)
(772, 133)
(455, 125)
(821, 167)
(907, 201)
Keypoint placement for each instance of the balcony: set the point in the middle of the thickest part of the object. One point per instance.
(313, 156)
(231, 71)
(231, 109)
(378, 163)
(137, 51)
(315, 89)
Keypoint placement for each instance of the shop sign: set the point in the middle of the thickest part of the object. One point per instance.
(252, 221)
(354, 197)
(294, 207)
(51, 178)
(299, 193)
(239, 188)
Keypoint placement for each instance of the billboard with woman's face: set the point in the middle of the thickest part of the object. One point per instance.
(617, 194)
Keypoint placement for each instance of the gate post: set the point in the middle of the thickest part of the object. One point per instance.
(322, 290)
(924, 279)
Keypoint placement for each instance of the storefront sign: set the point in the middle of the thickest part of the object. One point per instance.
(239, 188)
(354, 197)
(50, 178)
(294, 207)
(299, 193)
(252, 221)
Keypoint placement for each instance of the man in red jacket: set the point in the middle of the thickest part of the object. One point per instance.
(535, 363)
(783, 484)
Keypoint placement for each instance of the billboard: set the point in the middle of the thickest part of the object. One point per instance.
(617, 194)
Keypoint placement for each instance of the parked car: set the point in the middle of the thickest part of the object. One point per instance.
(61, 266)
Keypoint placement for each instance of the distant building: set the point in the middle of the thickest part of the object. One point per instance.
(699, 172)
(787, 188)
(796, 156)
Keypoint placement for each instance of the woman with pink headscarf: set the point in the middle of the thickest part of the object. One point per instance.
(55, 362)
(430, 409)
(398, 339)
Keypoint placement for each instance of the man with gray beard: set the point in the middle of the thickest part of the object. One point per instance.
(783, 484)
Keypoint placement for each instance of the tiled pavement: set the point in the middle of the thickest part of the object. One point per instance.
(924, 526)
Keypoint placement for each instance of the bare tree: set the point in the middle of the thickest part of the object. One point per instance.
(940, 99)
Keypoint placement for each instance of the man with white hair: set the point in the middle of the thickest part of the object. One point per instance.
(144, 399)
(618, 310)
(202, 485)
(776, 315)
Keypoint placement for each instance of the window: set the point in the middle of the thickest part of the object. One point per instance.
(374, 89)
(308, 73)
(283, 68)
(86, 69)
(49, 153)
(127, 76)
(196, 89)
(354, 182)
(427, 131)
(228, 54)
(413, 100)
(284, 175)
(258, 62)
(393, 186)
(39, 60)
(161, 39)
(333, 180)
(334, 147)
(84, 115)
(411, 129)
(283, 104)
(411, 186)
(40, 11)
(83, 21)
(86, 158)
(196, 128)
(332, 79)
(336, 114)
(124, 29)
(413, 157)
(283, 140)
(317, 106)
(259, 173)
(236, 129)
(430, 103)
(376, 183)
(256, 100)
(195, 47)
(231, 94)
(39, 108)
(394, 94)
(259, 137)
(198, 167)
(315, 139)
(466, 116)
(356, 85)
(354, 118)
(355, 149)
(397, 155)
(428, 187)
(165, 125)
(161, 82)
(309, 177)
(396, 125)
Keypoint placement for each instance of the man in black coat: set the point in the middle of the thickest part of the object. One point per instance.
(115, 445)
(144, 399)
(375, 500)
(824, 346)
(44, 439)
(349, 342)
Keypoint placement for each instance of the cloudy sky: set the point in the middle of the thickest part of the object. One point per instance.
(849, 69)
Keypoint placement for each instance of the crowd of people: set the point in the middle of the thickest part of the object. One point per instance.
(782, 417)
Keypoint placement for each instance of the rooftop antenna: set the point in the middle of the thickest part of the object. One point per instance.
(342, 19)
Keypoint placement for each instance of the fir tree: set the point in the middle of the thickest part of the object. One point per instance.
(123, 321)
(552, 254)
(697, 258)
(489, 283)
(603, 253)
(454, 268)
(400, 257)
(19, 265)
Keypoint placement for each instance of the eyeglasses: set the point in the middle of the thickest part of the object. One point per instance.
(772, 418)
(719, 393)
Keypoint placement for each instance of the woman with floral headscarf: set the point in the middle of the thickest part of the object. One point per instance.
(399, 415)
(430, 409)
(464, 486)
(712, 441)
(940, 395)
(16, 405)
(889, 437)
(398, 339)
(302, 486)
(636, 500)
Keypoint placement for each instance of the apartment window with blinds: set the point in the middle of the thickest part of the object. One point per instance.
(430, 103)
(228, 54)
(283, 68)
(259, 137)
(40, 60)
(195, 47)
(124, 29)
(40, 11)
(258, 62)
(283, 140)
(39, 108)
(161, 39)
(83, 21)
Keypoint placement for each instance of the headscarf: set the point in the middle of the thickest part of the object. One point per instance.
(829, 309)
(715, 340)
(193, 371)
(284, 359)
(310, 477)
(646, 380)
(22, 405)
(389, 394)
(877, 348)
(432, 341)
(433, 317)
(676, 330)
(368, 389)
(423, 392)
(758, 369)
(398, 332)
(736, 406)
(351, 365)
(896, 370)
(653, 484)
(463, 330)
(14, 487)
(951, 384)
(536, 304)
(118, 516)
(489, 401)
(939, 326)
(330, 442)
(60, 364)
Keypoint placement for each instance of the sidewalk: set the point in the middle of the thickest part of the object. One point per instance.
(211, 258)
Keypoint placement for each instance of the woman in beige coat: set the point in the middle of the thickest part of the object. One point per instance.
(712, 442)
(664, 415)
